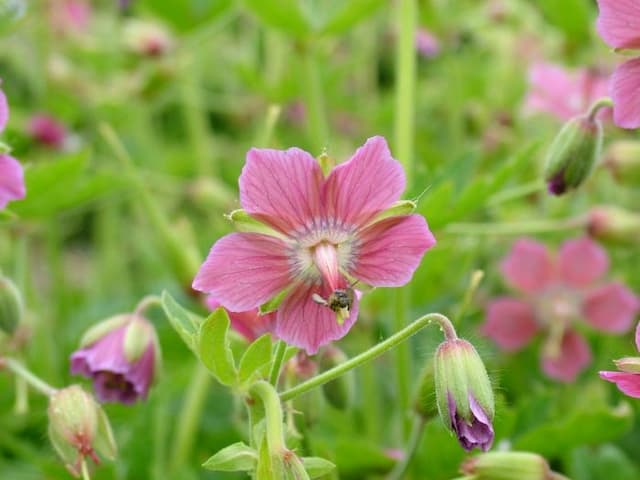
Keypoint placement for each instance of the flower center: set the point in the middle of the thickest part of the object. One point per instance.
(556, 309)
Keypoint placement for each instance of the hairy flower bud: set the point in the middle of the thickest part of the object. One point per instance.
(622, 159)
(614, 224)
(508, 466)
(11, 309)
(464, 394)
(573, 154)
(78, 428)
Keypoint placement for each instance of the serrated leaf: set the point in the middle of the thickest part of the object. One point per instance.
(238, 457)
(214, 347)
(317, 467)
(257, 355)
(186, 323)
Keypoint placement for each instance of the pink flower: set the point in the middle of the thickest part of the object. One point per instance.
(70, 16)
(11, 174)
(251, 324)
(619, 27)
(561, 93)
(628, 378)
(47, 131)
(325, 234)
(426, 43)
(557, 291)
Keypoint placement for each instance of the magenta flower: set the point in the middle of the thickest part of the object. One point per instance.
(556, 292)
(251, 324)
(426, 43)
(562, 93)
(11, 174)
(323, 235)
(628, 378)
(619, 27)
(47, 131)
(121, 355)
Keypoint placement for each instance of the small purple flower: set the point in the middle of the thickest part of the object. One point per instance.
(121, 356)
(426, 43)
(47, 131)
(476, 433)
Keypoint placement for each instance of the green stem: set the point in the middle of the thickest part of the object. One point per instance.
(20, 370)
(476, 278)
(85, 470)
(278, 358)
(187, 421)
(147, 302)
(21, 406)
(598, 105)
(403, 359)
(382, 347)
(272, 413)
(266, 132)
(412, 446)
(516, 228)
(317, 115)
(516, 192)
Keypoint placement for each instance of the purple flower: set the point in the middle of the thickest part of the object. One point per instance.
(472, 433)
(426, 43)
(11, 174)
(121, 356)
(47, 131)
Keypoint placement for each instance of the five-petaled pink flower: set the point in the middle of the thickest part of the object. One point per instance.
(251, 324)
(628, 378)
(325, 234)
(619, 27)
(556, 292)
(562, 93)
(11, 174)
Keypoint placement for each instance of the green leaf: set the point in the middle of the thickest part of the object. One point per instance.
(351, 13)
(284, 15)
(238, 457)
(186, 323)
(273, 304)
(186, 15)
(214, 347)
(317, 467)
(606, 461)
(257, 355)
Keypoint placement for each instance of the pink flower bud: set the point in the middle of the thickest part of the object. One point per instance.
(47, 131)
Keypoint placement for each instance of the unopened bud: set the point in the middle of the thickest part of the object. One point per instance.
(79, 429)
(338, 392)
(573, 154)
(507, 466)
(11, 309)
(614, 224)
(622, 158)
(464, 394)
(628, 364)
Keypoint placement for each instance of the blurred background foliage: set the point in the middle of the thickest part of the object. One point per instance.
(312, 74)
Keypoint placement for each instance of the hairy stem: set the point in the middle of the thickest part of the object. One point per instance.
(21, 371)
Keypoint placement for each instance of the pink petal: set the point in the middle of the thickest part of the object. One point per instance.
(628, 383)
(365, 185)
(611, 308)
(281, 187)
(575, 355)
(390, 250)
(625, 92)
(510, 323)
(302, 322)
(581, 261)
(11, 180)
(553, 90)
(619, 23)
(244, 270)
(4, 111)
(528, 266)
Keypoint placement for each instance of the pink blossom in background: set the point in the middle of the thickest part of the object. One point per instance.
(70, 15)
(555, 293)
(426, 43)
(11, 175)
(327, 233)
(251, 324)
(563, 93)
(619, 26)
(47, 131)
(628, 378)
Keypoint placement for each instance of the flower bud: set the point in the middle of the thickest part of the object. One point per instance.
(622, 159)
(78, 428)
(47, 131)
(122, 357)
(338, 392)
(614, 224)
(507, 466)
(11, 309)
(573, 154)
(464, 394)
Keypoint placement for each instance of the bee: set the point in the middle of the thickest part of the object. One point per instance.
(341, 298)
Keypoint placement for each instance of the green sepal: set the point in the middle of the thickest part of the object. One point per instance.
(317, 467)
(136, 340)
(628, 364)
(238, 457)
(256, 357)
(243, 222)
(214, 347)
(273, 304)
(105, 442)
(184, 322)
(397, 209)
(101, 329)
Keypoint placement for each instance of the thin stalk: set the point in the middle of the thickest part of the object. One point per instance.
(412, 446)
(476, 278)
(20, 370)
(272, 414)
(21, 406)
(148, 302)
(403, 359)
(85, 470)
(517, 228)
(598, 105)
(366, 356)
(190, 414)
(516, 192)
(278, 358)
(317, 115)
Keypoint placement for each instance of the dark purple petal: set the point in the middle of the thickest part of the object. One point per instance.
(475, 434)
